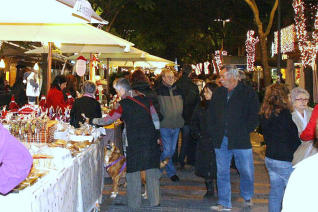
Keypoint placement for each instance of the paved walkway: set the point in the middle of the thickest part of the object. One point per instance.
(186, 195)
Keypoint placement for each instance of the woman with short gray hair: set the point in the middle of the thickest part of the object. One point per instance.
(89, 87)
(301, 114)
(143, 150)
(87, 105)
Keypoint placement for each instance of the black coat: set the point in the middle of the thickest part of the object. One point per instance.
(280, 135)
(143, 151)
(87, 105)
(190, 96)
(239, 116)
(205, 164)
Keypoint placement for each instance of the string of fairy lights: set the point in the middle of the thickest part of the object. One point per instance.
(250, 44)
(307, 47)
(287, 44)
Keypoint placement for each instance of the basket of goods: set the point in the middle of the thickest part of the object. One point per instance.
(39, 129)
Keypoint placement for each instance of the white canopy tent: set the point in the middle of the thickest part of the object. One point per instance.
(62, 33)
(86, 49)
(48, 11)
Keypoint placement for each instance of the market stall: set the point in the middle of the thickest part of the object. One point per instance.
(68, 169)
(75, 187)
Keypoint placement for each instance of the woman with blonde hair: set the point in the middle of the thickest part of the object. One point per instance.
(281, 138)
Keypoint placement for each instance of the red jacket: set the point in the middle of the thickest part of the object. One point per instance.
(55, 98)
(310, 132)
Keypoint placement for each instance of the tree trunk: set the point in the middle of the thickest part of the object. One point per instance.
(266, 69)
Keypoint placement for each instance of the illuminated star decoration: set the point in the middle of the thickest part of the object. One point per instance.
(308, 48)
(250, 44)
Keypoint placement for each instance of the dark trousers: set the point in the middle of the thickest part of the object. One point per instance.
(188, 147)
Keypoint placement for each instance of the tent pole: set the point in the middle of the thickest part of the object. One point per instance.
(49, 66)
(91, 67)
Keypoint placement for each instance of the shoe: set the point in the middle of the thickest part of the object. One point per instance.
(248, 203)
(174, 178)
(220, 208)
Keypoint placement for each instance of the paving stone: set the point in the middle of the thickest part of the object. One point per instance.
(187, 194)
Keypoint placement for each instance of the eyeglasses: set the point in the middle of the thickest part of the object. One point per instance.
(303, 100)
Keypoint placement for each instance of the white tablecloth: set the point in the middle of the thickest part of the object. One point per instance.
(76, 187)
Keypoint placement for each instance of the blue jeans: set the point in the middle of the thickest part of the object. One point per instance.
(279, 172)
(244, 163)
(169, 138)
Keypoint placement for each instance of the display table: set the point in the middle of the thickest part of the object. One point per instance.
(76, 187)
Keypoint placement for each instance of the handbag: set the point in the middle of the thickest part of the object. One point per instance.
(304, 150)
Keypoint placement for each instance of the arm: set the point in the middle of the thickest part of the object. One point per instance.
(253, 109)
(113, 115)
(292, 130)
(15, 162)
(309, 132)
(98, 111)
(195, 123)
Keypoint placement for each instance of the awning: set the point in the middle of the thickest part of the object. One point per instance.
(86, 49)
(48, 11)
(61, 33)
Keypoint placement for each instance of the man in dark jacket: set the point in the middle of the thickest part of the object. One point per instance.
(171, 106)
(190, 97)
(233, 115)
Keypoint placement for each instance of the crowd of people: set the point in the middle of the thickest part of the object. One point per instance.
(215, 126)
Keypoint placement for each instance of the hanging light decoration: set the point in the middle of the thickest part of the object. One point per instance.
(206, 67)
(218, 59)
(308, 48)
(287, 36)
(250, 44)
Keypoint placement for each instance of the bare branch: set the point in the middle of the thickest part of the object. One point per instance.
(271, 18)
(255, 11)
(113, 19)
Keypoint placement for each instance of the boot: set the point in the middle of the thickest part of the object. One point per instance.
(209, 189)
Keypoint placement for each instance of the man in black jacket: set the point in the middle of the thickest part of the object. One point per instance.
(233, 115)
(190, 97)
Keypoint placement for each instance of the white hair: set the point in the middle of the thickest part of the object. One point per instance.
(122, 83)
(232, 71)
(295, 92)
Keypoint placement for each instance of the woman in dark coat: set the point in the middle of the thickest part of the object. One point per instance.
(281, 138)
(205, 164)
(143, 151)
(86, 105)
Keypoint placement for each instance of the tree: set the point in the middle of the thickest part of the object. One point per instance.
(263, 35)
(110, 9)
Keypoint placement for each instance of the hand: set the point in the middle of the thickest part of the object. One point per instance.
(85, 118)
